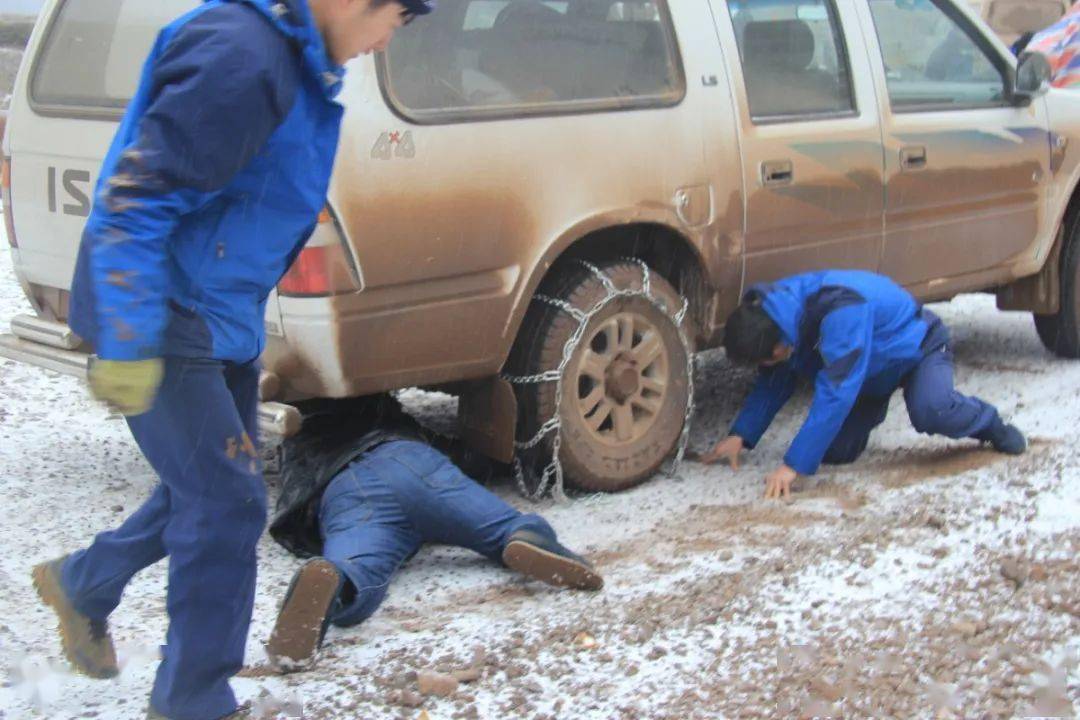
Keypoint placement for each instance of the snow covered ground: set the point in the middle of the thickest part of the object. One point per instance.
(932, 579)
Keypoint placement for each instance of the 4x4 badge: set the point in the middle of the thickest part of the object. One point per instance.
(393, 144)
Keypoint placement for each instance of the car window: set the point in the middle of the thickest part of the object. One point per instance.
(481, 15)
(793, 57)
(930, 59)
(475, 58)
(94, 51)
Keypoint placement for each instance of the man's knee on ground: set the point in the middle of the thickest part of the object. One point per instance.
(845, 452)
(836, 457)
(932, 415)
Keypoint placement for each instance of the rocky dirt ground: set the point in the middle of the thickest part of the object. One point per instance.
(932, 580)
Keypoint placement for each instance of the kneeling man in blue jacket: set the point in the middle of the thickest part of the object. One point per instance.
(860, 337)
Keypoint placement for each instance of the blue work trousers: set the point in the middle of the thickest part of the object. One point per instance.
(381, 509)
(206, 514)
(933, 403)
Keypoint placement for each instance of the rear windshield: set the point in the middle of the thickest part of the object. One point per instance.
(94, 51)
(477, 58)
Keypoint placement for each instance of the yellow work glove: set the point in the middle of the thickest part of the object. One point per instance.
(128, 386)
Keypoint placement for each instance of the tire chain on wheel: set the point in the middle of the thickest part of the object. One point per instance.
(553, 473)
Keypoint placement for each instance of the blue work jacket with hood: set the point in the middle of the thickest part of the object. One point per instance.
(212, 185)
(853, 332)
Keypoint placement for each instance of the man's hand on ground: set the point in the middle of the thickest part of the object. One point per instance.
(128, 386)
(727, 449)
(778, 483)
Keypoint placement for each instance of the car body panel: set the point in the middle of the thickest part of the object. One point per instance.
(979, 202)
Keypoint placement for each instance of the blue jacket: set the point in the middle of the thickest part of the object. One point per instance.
(853, 332)
(213, 183)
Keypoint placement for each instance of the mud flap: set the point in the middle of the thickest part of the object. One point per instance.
(487, 414)
(1040, 293)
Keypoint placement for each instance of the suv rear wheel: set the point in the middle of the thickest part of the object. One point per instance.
(1060, 333)
(625, 386)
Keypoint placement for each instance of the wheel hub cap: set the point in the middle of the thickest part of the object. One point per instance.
(622, 379)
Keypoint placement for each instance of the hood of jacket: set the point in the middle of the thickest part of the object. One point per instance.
(784, 301)
(293, 18)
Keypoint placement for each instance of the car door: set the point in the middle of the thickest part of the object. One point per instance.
(966, 171)
(810, 135)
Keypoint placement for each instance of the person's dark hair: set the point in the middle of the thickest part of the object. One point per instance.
(336, 421)
(750, 335)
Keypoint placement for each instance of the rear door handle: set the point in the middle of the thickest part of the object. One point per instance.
(777, 172)
(913, 158)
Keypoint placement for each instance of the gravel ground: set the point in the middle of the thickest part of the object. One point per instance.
(933, 579)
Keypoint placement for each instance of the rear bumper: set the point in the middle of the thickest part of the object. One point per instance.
(52, 346)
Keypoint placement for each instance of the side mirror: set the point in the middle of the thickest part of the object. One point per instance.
(1032, 79)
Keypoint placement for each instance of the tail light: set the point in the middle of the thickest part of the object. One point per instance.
(324, 267)
(5, 196)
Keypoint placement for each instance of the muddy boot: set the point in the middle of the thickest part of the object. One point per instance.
(542, 559)
(86, 643)
(1004, 438)
(304, 616)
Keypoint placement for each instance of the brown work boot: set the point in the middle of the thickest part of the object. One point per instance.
(305, 614)
(86, 643)
(544, 559)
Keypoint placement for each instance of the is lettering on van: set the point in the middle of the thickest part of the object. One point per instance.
(72, 182)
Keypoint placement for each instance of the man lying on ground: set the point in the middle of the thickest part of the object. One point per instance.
(363, 489)
(860, 337)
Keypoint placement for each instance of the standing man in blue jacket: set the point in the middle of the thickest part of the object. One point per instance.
(860, 337)
(212, 185)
